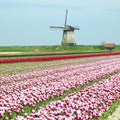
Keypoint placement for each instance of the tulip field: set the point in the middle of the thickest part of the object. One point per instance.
(70, 89)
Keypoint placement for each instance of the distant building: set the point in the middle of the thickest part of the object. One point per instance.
(109, 46)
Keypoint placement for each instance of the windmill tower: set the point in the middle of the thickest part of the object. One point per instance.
(68, 33)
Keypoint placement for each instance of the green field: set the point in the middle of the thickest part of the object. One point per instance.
(53, 49)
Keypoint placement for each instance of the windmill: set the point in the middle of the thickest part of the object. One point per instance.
(68, 32)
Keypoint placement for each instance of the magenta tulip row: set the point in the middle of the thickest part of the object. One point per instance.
(32, 88)
(88, 104)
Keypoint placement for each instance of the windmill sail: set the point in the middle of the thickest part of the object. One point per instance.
(57, 27)
(66, 18)
(68, 32)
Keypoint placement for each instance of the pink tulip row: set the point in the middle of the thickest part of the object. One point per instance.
(60, 75)
(88, 104)
(18, 94)
(69, 74)
(31, 75)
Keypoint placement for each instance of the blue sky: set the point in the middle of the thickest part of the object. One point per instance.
(26, 22)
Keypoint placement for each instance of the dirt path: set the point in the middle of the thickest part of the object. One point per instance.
(115, 115)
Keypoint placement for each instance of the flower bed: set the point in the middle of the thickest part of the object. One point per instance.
(20, 68)
(88, 104)
(58, 71)
(31, 88)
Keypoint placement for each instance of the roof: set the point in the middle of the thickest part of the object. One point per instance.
(109, 45)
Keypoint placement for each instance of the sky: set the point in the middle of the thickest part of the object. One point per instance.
(26, 22)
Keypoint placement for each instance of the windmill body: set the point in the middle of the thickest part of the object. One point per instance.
(68, 33)
(68, 36)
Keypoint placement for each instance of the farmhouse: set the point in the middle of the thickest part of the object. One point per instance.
(109, 46)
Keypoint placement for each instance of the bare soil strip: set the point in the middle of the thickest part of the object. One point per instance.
(115, 115)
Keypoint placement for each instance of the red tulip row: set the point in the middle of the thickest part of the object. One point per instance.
(42, 86)
(55, 58)
(88, 104)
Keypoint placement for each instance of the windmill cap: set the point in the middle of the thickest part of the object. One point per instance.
(68, 27)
